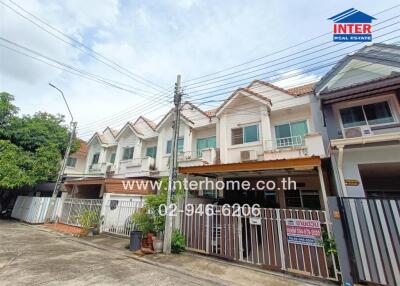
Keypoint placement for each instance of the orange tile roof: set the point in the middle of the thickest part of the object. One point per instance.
(301, 90)
(82, 146)
(149, 122)
(211, 112)
(257, 81)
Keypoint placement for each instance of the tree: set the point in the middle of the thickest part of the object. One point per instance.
(31, 147)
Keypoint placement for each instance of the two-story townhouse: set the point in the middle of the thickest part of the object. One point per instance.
(109, 153)
(359, 98)
(137, 149)
(196, 140)
(76, 162)
(264, 132)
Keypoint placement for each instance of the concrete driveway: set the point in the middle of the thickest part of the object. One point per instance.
(30, 256)
(33, 255)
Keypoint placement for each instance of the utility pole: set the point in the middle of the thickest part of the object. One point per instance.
(64, 162)
(173, 165)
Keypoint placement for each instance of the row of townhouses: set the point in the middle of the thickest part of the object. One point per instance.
(338, 139)
(338, 136)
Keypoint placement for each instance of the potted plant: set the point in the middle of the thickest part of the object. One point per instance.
(89, 221)
(142, 223)
(177, 241)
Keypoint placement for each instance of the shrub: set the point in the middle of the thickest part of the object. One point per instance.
(177, 241)
(88, 219)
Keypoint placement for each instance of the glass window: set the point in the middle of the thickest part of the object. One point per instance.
(180, 145)
(302, 199)
(374, 113)
(352, 116)
(378, 113)
(250, 133)
(128, 153)
(71, 162)
(245, 134)
(203, 143)
(151, 151)
(95, 158)
(291, 134)
(112, 158)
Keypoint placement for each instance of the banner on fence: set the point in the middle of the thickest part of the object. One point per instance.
(305, 232)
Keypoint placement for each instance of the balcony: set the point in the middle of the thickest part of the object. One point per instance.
(136, 167)
(294, 147)
(100, 168)
(198, 158)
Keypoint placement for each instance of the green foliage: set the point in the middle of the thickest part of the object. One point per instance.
(328, 243)
(177, 241)
(150, 219)
(31, 147)
(89, 219)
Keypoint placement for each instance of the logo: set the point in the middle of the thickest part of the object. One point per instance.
(352, 26)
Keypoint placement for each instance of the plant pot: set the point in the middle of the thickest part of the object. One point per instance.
(158, 245)
(150, 237)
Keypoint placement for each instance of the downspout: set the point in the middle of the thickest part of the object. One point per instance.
(340, 170)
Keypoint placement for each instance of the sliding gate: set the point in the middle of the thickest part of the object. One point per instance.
(261, 240)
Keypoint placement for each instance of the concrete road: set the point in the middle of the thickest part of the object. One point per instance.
(31, 256)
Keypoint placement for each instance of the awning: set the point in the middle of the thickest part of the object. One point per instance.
(297, 163)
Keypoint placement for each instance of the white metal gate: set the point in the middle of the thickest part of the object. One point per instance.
(264, 243)
(118, 216)
(73, 207)
(34, 209)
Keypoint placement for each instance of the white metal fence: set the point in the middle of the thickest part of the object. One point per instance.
(118, 216)
(73, 208)
(263, 241)
(34, 209)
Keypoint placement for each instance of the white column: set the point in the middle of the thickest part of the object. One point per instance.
(188, 139)
(106, 199)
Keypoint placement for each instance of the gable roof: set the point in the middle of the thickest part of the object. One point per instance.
(211, 112)
(131, 127)
(379, 53)
(301, 90)
(149, 122)
(352, 16)
(113, 131)
(247, 90)
(196, 107)
(260, 82)
(168, 114)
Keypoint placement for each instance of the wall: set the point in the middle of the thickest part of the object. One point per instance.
(93, 148)
(364, 155)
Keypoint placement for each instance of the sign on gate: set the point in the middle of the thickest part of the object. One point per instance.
(302, 231)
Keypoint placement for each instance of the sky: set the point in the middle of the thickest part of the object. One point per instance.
(153, 41)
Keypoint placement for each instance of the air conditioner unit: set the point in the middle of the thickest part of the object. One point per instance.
(248, 155)
(360, 131)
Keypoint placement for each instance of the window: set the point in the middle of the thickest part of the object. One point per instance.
(245, 134)
(374, 113)
(128, 153)
(180, 145)
(302, 199)
(203, 143)
(290, 134)
(212, 194)
(71, 162)
(96, 157)
(112, 158)
(151, 151)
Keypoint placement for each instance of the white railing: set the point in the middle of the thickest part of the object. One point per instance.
(118, 216)
(34, 209)
(136, 165)
(292, 141)
(73, 208)
(189, 155)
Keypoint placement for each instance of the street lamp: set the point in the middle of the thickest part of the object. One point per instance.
(64, 162)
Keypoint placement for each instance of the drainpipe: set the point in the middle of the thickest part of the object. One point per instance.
(340, 170)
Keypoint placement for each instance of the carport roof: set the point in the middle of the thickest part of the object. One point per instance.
(297, 163)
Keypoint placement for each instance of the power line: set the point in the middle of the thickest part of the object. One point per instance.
(280, 51)
(93, 53)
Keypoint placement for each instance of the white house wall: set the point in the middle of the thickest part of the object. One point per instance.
(93, 148)
(365, 155)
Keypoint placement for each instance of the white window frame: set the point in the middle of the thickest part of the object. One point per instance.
(243, 126)
(389, 98)
(289, 122)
